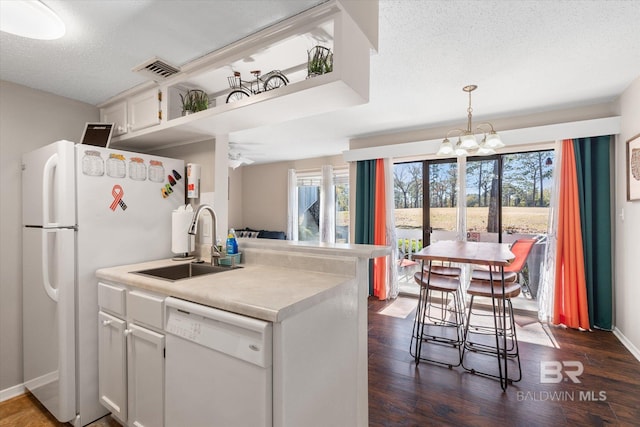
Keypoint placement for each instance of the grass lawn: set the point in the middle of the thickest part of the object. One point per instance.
(517, 219)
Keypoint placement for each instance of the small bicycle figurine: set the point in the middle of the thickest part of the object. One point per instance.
(244, 88)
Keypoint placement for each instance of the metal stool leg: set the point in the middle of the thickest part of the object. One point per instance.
(503, 331)
(438, 323)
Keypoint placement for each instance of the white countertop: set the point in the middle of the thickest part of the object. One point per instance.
(260, 291)
(285, 277)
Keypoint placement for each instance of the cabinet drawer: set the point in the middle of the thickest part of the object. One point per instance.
(111, 298)
(145, 308)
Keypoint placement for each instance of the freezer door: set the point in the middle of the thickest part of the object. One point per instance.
(48, 324)
(124, 216)
(48, 186)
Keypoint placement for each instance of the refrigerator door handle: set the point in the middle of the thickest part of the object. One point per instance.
(46, 284)
(47, 179)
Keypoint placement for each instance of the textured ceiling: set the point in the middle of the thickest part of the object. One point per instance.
(525, 56)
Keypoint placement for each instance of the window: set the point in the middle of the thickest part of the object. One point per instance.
(341, 181)
(309, 208)
(311, 204)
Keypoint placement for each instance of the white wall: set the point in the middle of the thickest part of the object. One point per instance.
(29, 119)
(627, 230)
(264, 191)
(202, 153)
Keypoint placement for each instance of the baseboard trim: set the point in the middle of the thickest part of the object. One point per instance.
(628, 344)
(12, 392)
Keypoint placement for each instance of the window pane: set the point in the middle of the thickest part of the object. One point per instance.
(342, 213)
(407, 182)
(482, 199)
(309, 213)
(408, 202)
(443, 200)
(526, 193)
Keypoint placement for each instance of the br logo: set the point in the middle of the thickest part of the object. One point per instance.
(554, 371)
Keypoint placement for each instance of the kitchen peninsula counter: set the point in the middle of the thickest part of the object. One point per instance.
(278, 278)
(315, 296)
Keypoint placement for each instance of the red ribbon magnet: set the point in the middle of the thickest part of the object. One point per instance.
(117, 192)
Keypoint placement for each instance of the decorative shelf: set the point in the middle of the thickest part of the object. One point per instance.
(283, 46)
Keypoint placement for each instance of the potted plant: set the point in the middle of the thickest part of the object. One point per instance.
(193, 101)
(319, 61)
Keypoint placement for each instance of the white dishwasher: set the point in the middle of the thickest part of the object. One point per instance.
(218, 367)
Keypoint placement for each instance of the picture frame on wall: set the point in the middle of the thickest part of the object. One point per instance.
(633, 168)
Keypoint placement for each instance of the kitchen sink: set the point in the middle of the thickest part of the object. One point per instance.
(184, 271)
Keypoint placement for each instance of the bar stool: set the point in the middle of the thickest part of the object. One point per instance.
(443, 270)
(521, 248)
(438, 321)
(497, 336)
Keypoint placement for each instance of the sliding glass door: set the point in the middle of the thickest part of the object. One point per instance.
(506, 198)
(423, 217)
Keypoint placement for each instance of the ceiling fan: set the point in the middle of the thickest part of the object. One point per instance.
(236, 159)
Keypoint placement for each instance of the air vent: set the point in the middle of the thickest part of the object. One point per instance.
(157, 69)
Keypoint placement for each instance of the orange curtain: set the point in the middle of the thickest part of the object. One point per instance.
(570, 303)
(380, 233)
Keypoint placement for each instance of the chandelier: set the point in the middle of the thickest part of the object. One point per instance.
(467, 143)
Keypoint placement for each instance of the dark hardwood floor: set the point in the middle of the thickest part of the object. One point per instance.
(403, 394)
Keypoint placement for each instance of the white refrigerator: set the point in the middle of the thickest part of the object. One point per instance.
(84, 208)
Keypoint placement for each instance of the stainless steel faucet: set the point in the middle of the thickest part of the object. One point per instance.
(193, 230)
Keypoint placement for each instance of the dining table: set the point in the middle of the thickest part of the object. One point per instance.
(494, 256)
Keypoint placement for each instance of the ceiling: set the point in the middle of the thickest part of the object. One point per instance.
(525, 56)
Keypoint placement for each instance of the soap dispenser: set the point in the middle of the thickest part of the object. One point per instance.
(232, 243)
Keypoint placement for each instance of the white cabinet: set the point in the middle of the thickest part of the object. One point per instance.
(135, 113)
(144, 110)
(116, 114)
(131, 355)
(145, 375)
(112, 370)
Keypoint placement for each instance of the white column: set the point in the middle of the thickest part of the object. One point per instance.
(292, 208)
(221, 184)
(327, 206)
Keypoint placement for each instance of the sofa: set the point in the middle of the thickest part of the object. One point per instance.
(261, 234)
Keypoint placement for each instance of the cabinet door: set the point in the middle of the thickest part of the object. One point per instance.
(116, 114)
(112, 364)
(144, 110)
(146, 377)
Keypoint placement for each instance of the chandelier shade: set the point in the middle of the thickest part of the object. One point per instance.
(467, 143)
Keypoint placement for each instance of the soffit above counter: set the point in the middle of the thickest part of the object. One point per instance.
(513, 138)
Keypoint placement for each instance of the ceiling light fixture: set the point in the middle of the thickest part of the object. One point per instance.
(467, 142)
(31, 19)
